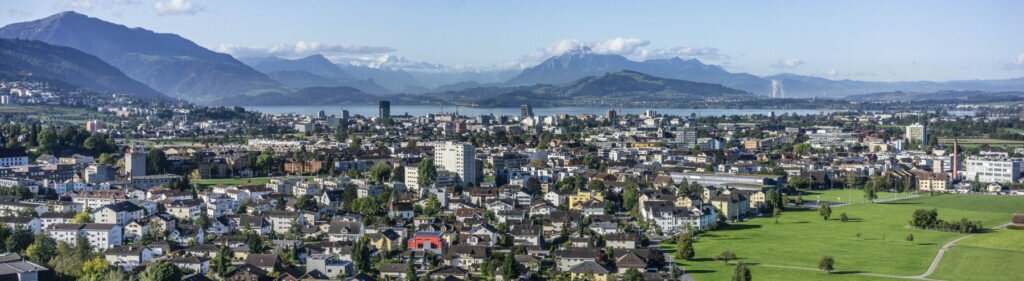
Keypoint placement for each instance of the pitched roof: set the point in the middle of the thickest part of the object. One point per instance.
(261, 260)
(589, 267)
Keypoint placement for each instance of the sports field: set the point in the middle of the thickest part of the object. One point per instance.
(872, 243)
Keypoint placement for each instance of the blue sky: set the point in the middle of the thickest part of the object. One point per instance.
(864, 40)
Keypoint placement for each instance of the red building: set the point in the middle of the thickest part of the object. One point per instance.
(428, 240)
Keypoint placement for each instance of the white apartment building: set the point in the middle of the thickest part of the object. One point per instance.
(993, 169)
(100, 236)
(917, 132)
(459, 158)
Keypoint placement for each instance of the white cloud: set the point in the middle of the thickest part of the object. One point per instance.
(15, 13)
(788, 64)
(618, 46)
(833, 73)
(81, 4)
(176, 7)
(682, 52)
(1016, 63)
(302, 49)
(632, 48)
(1019, 62)
(86, 5)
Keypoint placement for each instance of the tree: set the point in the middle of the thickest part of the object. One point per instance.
(774, 199)
(777, 214)
(254, 241)
(47, 140)
(843, 217)
(19, 239)
(726, 256)
(223, 260)
(305, 202)
(361, 255)
(380, 172)
(826, 264)
(353, 173)
(630, 197)
(161, 271)
(356, 142)
(632, 275)
(426, 172)
(799, 200)
(82, 217)
(67, 262)
(156, 162)
(4, 233)
(870, 192)
(509, 268)
(410, 272)
(43, 249)
(432, 206)
(742, 273)
(95, 269)
(684, 246)
(924, 218)
(824, 210)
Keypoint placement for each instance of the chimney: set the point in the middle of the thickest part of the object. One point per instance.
(956, 159)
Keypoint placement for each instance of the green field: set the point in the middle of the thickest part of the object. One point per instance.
(853, 196)
(982, 255)
(47, 113)
(873, 242)
(976, 142)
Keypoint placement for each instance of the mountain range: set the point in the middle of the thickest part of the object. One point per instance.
(618, 88)
(166, 62)
(583, 62)
(66, 67)
(179, 68)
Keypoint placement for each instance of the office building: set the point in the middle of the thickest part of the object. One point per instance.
(384, 109)
(917, 133)
(525, 111)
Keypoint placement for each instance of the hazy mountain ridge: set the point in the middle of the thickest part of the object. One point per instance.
(581, 63)
(166, 62)
(307, 96)
(940, 96)
(67, 67)
(619, 88)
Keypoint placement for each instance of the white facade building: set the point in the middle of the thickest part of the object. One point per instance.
(994, 169)
(459, 158)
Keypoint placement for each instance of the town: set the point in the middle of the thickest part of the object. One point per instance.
(204, 193)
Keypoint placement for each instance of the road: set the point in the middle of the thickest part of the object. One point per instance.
(942, 251)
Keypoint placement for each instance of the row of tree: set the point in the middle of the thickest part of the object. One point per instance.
(929, 219)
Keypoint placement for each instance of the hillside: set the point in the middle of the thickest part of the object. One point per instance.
(307, 96)
(67, 67)
(581, 63)
(619, 88)
(165, 62)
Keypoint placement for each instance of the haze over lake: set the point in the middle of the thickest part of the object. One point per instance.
(422, 110)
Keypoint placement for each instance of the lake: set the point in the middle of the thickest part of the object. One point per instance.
(422, 110)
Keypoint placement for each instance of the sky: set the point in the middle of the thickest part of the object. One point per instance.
(861, 40)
